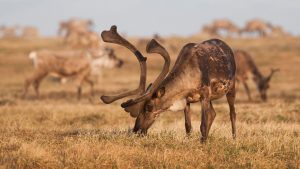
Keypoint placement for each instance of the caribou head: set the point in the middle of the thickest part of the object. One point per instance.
(264, 84)
(145, 99)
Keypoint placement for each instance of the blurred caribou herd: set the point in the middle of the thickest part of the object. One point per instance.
(79, 32)
(86, 54)
(18, 31)
(252, 28)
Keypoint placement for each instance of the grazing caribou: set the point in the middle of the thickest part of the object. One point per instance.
(79, 64)
(226, 25)
(202, 72)
(259, 26)
(245, 66)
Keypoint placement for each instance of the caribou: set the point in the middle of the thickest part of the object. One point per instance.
(203, 72)
(218, 25)
(30, 32)
(82, 65)
(77, 32)
(245, 67)
(259, 26)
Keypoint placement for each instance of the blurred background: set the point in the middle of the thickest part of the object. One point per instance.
(144, 18)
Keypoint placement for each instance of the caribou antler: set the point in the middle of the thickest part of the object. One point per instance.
(112, 36)
(153, 47)
(272, 73)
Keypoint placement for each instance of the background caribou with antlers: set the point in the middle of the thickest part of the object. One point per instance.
(203, 72)
(245, 66)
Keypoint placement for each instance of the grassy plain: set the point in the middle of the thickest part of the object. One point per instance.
(57, 131)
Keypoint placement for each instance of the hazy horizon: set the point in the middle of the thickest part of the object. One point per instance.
(143, 18)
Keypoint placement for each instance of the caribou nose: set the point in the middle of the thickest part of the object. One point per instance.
(264, 98)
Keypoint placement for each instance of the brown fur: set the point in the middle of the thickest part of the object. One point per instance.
(202, 73)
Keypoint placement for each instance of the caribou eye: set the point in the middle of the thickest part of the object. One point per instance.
(159, 93)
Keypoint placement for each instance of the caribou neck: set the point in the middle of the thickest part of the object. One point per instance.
(257, 76)
(179, 83)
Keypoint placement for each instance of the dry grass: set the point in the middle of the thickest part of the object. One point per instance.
(58, 131)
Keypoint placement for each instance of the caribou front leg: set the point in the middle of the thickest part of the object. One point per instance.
(204, 119)
(231, 99)
(247, 91)
(205, 103)
(187, 116)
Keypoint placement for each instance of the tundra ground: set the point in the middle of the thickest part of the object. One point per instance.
(57, 131)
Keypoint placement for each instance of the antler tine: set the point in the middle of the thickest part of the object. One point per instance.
(272, 73)
(275, 70)
(110, 99)
(139, 90)
(153, 47)
(112, 36)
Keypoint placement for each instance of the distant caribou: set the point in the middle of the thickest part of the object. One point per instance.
(8, 31)
(259, 26)
(218, 25)
(245, 66)
(79, 64)
(226, 25)
(77, 32)
(202, 72)
(30, 32)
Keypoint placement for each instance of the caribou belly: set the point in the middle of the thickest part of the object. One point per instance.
(178, 105)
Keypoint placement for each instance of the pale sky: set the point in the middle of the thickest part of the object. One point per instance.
(145, 17)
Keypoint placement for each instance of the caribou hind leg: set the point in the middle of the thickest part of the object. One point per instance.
(89, 81)
(35, 80)
(36, 85)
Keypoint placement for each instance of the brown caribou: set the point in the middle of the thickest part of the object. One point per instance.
(245, 66)
(82, 65)
(226, 25)
(76, 31)
(278, 31)
(202, 72)
(218, 25)
(259, 26)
